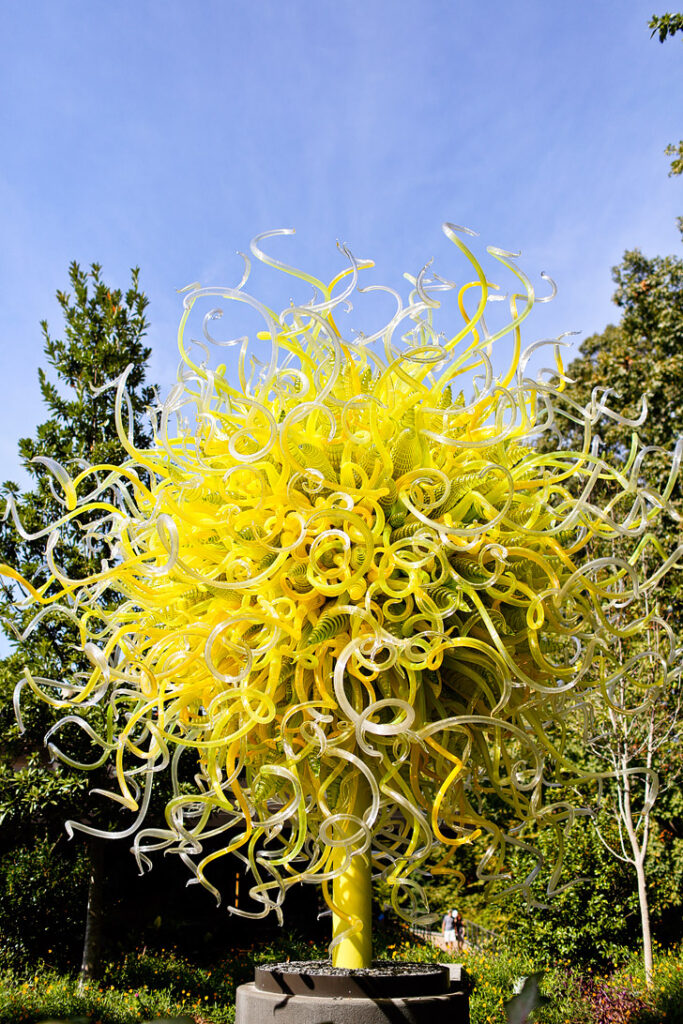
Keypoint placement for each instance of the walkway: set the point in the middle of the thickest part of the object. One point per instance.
(476, 936)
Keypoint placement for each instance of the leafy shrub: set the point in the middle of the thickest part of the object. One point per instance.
(43, 892)
(146, 984)
(610, 1003)
(168, 971)
(593, 920)
(50, 996)
(664, 1001)
(492, 977)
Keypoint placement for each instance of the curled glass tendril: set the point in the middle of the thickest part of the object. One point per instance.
(351, 590)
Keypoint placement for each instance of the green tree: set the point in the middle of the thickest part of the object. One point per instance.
(664, 26)
(641, 357)
(103, 335)
(631, 747)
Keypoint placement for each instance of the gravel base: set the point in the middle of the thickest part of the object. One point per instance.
(379, 968)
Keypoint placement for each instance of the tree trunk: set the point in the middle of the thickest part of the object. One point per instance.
(92, 940)
(644, 922)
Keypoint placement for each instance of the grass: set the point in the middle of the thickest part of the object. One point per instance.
(151, 984)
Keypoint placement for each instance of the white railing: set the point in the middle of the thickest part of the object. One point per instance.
(476, 935)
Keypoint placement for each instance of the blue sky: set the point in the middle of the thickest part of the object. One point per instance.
(167, 134)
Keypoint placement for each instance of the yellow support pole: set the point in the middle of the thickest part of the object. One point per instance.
(352, 896)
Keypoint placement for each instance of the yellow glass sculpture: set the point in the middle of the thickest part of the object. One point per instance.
(353, 591)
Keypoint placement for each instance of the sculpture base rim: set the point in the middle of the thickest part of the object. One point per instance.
(297, 1001)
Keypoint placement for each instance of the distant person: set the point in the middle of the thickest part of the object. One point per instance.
(459, 926)
(448, 928)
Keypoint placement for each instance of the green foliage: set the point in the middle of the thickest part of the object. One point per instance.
(42, 907)
(172, 973)
(640, 357)
(665, 862)
(643, 355)
(675, 151)
(665, 25)
(496, 978)
(597, 915)
(575, 994)
(145, 985)
(593, 914)
(666, 1000)
(38, 791)
(103, 335)
(50, 996)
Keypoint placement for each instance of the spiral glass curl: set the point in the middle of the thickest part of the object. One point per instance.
(351, 589)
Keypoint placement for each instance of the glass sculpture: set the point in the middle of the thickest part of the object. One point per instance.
(353, 589)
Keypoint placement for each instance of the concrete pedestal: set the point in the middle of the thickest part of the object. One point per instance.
(386, 993)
